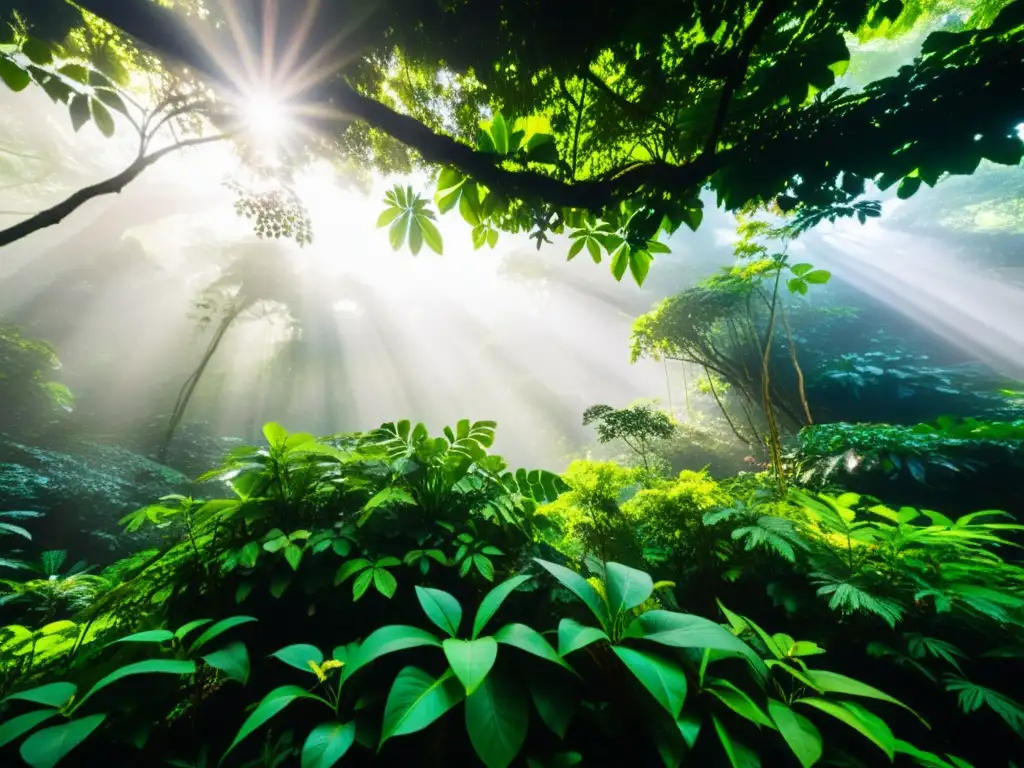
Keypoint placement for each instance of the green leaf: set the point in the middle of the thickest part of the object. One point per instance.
(112, 100)
(683, 630)
(49, 695)
(415, 235)
(37, 52)
(101, 116)
(396, 235)
(530, 640)
(572, 636)
(627, 587)
(18, 726)
(299, 656)
(184, 629)
(579, 587)
(801, 269)
(576, 247)
(327, 744)
(218, 629)
(395, 637)
(431, 234)
(497, 717)
(492, 601)
(16, 78)
(416, 700)
(620, 260)
(232, 660)
(293, 554)
(692, 217)
(739, 702)
(555, 701)
(870, 726)
(349, 568)
(75, 72)
(499, 134)
(908, 187)
(739, 755)
(541, 149)
(471, 660)
(818, 277)
(663, 678)
(152, 636)
(270, 705)
(78, 107)
(388, 215)
(639, 265)
(151, 666)
(441, 608)
(362, 583)
(385, 583)
(800, 733)
(832, 682)
(45, 748)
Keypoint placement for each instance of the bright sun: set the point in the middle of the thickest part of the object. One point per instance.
(266, 118)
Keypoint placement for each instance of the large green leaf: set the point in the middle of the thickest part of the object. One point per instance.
(740, 756)
(152, 636)
(184, 629)
(665, 680)
(22, 724)
(555, 700)
(270, 705)
(492, 601)
(149, 667)
(832, 682)
(327, 744)
(572, 636)
(684, 630)
(870, 726)
(218, 629)
(579, 587)
(441, 608)
(16, 78)
(471, 660)
(497, 716)
(299, 656)
(627, 587)
(800, 733)
(232, 660)
(416, 700)
(739, 701)
(394, 637)
(50, 695)
(528, 639)
(45, 748)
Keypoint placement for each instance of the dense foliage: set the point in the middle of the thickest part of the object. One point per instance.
(569, 621)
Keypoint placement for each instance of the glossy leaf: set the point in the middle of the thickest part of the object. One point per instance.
(45, 748)
(220, 628)
(149, 667)
(416, 700)
(441, 608)
(581, 588)
(395, 637)
(572, 636)
(299, 656)
(497, 717)
(232, 660)
(18, 726)
(327, 744)
(627, 587)
(739, 755)
(492, 601)
(683, 630)
(739, 702)
(664, 679)
(184, 629)
(870, 726)
(530, 640)
(270, 705)
(151, 636)
(49, 695)
(799, 733)
(471, 660)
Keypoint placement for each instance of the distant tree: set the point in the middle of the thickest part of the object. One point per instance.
(638, 426)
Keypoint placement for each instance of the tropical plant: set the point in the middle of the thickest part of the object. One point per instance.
(639, 427)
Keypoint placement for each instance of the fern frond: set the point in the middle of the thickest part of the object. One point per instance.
(972, 697)
(847, 597)
(773, 533)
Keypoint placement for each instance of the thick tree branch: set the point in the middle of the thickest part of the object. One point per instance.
(163, 31)
(62, 210)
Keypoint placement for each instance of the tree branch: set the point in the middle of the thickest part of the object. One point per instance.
(623, 103)
(164, 32)
(114, 184)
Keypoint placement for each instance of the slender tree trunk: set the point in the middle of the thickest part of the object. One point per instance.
(686, 393)
(773, 428)
(721, 407)
(796, 366)
(189, 387)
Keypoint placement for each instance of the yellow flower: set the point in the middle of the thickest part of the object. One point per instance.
(321, 670)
